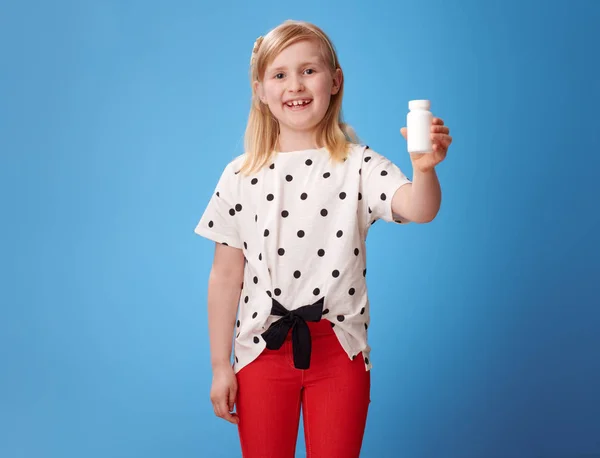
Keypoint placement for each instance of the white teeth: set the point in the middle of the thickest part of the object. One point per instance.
(296, 103)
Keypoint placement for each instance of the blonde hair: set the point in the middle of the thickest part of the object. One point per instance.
(262, 130)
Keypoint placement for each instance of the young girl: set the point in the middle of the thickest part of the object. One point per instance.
(290, 218)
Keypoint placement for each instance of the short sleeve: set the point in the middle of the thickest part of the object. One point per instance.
(381, 179)
(218, 222)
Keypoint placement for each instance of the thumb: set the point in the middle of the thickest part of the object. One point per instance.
(403, 132)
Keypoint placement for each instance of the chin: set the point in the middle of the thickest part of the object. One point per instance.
(301, 127)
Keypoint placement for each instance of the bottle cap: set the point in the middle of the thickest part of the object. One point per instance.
(419, 105)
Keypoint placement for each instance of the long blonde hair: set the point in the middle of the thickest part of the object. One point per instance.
(262, 131)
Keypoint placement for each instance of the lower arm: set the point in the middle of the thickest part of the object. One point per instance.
(223, 298)
(426, 196)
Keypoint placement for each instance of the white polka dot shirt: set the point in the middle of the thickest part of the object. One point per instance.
(302, 224)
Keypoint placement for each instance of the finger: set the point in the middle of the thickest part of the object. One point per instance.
(403, 132)
(222, 412)
(439, 121)
(232, 418)
(219, 405)
(216, 408)
(438, 129)
(445, 140)
(442, 139)
(439, 152)
(441, 146)
(232, 393)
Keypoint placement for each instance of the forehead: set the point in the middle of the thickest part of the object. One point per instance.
(299, 52)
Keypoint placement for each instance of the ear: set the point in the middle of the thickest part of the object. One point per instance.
(259, 90)
(338, 77)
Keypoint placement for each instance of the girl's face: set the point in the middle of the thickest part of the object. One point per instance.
(297, 86)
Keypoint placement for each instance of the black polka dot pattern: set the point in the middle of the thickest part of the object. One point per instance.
(301, 223)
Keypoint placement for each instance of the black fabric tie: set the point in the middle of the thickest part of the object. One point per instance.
(296, 321)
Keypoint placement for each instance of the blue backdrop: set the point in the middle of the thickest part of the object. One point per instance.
(116, 119)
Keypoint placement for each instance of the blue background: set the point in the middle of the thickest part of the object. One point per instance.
(116, 120)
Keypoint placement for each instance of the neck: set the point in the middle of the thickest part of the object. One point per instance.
(296, 141)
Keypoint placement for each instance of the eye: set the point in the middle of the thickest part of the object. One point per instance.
(278, 76)
(309, 71)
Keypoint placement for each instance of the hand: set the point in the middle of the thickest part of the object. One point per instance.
(440, 140)
(223, 393)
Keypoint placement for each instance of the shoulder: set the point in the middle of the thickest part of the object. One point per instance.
(366, 155)
(235, 164)
(230, 176)
(230, 172)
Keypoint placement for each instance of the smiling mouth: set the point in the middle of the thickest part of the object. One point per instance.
(298, 104)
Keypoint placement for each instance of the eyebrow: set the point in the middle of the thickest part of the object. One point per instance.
(302, 64)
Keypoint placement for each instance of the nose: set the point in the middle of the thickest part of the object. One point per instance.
(296, 84)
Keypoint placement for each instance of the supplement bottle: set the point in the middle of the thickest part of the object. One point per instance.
(418, 126)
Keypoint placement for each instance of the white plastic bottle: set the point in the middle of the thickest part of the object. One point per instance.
(418, 126)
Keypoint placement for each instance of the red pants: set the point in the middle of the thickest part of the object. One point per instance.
(334, 394)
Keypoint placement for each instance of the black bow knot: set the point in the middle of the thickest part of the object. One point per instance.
(296, 321)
